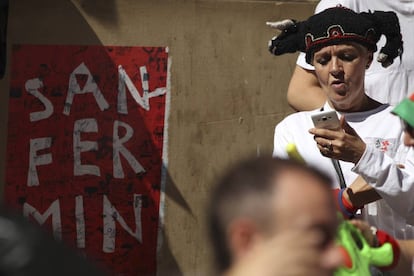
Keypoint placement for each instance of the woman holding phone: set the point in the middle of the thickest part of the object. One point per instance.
(340, 44)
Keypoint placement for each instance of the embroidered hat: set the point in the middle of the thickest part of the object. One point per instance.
(405, 110)
(339, 25)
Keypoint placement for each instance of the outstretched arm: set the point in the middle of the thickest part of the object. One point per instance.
(355, 197)
(393, 181)
(304, 91)
(360, 193)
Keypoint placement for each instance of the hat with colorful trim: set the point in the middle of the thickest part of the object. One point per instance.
(405, 110)
(339, 25)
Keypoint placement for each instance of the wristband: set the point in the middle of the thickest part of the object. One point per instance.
(348, 211)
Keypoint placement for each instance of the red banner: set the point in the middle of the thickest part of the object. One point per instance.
(85, 148)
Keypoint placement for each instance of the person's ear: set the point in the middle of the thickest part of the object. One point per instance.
(408, 139)
(241, 236)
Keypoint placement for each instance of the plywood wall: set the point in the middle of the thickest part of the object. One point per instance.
(227, 91)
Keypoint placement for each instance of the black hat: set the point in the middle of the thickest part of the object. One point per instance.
(339, 25)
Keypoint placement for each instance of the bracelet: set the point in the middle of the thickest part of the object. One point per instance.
(341, 204)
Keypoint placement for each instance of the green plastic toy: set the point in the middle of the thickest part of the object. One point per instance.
(358, 254)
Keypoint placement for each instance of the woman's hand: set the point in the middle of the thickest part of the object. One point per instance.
(343, 144)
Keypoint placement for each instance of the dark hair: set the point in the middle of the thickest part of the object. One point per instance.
(249, 180)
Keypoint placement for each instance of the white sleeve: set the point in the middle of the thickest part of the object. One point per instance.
(281, 138)
(301, 61)
(322, 5)
(395, 184)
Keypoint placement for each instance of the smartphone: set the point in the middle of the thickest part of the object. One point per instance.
(326, 119)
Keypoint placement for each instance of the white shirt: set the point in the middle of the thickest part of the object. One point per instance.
(382, 133)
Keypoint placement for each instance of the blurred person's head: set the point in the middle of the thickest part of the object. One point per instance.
(27, 250)
(405, 110)
(259, 198)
